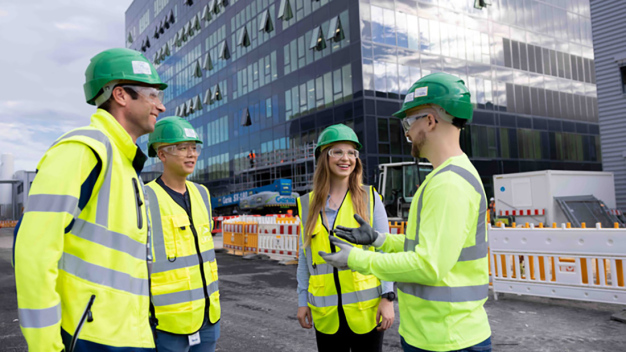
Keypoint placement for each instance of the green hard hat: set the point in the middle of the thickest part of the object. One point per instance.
(336, 133)
(170, 130)
(118, 64)
(443, 89)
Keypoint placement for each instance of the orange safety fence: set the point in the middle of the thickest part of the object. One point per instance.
(8, 223)
(397, 227)
(217, 223)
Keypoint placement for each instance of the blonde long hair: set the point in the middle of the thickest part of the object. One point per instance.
(321, 189)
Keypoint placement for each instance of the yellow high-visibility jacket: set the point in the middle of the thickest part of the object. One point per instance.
(360, 294)
(69, 247)
(184, 273)
(441, 265)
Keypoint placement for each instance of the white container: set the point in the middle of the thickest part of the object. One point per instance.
(6, 173)
(534, 192)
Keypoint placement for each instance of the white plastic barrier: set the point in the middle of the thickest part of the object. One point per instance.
(279, 240)
(579, 264)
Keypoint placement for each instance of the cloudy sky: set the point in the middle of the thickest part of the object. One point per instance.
(46, 46)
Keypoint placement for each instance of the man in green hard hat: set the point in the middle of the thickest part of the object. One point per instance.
(441, 265)
(185, 294)
(82, 250)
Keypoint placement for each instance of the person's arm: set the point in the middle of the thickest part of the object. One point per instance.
(443, 232)
(302, 275)
(51, 206)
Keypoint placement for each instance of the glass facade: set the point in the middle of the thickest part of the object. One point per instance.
(266, 76)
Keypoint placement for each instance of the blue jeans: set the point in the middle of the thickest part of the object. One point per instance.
(209, 334)
(484, 346)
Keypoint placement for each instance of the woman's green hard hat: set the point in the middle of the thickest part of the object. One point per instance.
(170, 130)
(336, 133)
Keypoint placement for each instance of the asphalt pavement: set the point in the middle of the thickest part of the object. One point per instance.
(259, 305)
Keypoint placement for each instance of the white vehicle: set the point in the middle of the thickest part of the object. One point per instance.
(397, 183)
(553, 196)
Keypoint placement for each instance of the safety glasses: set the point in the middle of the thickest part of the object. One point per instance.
(409, 120)
(182, 149)
(152, 94)
(339, 153)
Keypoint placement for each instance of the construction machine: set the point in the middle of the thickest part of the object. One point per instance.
(397, 183)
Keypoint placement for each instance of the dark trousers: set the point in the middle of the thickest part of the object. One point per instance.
(345, 340)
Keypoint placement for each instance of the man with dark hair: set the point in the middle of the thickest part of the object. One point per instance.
(82, 251)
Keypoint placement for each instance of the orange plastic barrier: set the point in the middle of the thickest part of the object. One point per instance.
(397, 228)
(8, 223)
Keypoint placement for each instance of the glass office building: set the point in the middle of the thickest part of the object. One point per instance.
(264, 77)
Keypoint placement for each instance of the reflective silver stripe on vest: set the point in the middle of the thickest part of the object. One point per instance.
(183, 296)
(157, 225)
(346, 298)
(102, 209)
(162, 265)
(318, 269)
(207, 203)
(110, 239)
(479, 250)
(445, 293)
(53, 203)
(39, 318)
(103, 276)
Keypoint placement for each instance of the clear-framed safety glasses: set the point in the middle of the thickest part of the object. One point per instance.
(183, 149)
(152, 94)
(339, 153)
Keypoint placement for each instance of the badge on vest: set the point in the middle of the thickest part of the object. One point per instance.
(194, 339)
(206, 234)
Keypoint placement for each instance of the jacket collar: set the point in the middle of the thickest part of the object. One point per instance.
(118, 136)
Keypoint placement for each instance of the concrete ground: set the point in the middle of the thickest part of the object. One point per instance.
(259, 306)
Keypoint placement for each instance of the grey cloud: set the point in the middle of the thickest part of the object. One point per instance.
(49, 46)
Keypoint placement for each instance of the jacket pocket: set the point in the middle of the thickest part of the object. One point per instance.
(179, 224)
(368, 290)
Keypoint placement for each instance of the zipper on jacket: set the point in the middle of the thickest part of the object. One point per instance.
(201, 261)
(332, 250)
(88, 316)
(139, 203)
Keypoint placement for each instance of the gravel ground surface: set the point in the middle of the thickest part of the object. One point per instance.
(259, 307)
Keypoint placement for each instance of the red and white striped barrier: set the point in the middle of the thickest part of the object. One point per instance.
(279, 240)
(615, 212)
(523, 212)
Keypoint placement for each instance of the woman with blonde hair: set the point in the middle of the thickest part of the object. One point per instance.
(350, 311)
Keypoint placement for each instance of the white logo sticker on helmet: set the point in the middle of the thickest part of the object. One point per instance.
(421, 92)
(141, 68)
(190, 133)
(409, 97)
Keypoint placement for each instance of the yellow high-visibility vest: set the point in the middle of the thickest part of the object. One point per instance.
(360, 294)
(184, 273)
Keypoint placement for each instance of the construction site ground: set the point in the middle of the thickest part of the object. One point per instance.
(259, 304)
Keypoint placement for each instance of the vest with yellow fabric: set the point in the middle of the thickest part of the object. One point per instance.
(360, 294)
(456, 303)
(184, 273)
(104, 254)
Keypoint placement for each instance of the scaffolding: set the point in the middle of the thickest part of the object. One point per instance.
(296, 164)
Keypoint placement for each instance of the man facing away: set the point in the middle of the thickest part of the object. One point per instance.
(441, 264)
